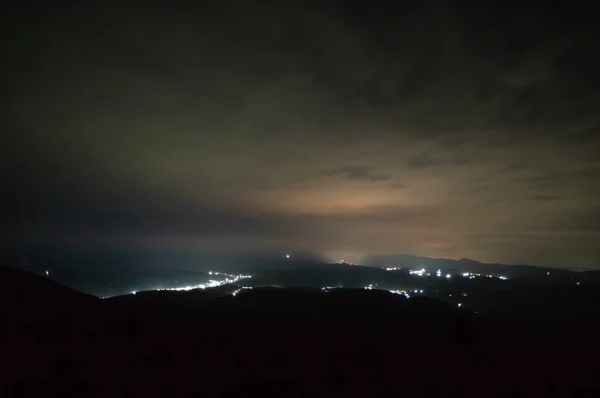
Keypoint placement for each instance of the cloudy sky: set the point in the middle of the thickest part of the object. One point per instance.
(341, 129)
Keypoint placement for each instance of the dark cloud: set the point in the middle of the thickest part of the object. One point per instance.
(421, 162)
(346, 129)
(546, 197)
(362, 173)
(398, 185)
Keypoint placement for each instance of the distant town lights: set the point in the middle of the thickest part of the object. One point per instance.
(419, 272)
(229, 279)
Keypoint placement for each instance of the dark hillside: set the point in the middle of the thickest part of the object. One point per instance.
(24, 295)
(291, 342)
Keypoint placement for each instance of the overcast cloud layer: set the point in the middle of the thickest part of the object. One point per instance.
(431, 129)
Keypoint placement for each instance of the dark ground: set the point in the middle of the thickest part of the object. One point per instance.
(293, 342)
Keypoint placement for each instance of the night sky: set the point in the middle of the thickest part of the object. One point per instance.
(337, 128)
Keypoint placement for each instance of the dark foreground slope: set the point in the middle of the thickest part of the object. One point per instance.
(26, 296)
(290, 342)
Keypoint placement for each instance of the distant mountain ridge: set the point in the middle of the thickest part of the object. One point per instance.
(460, 266)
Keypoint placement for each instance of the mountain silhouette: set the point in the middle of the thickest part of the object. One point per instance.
(460, 266)
(293, 341)
(25, 295)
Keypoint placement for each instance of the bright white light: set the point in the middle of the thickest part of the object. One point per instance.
(47, 272)
(448, 276)
(212, 283)
(466, 274)
(460, 304)
(134, 292)
(421, 291)
(503, 278)
(419, 272)
(287, 256)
